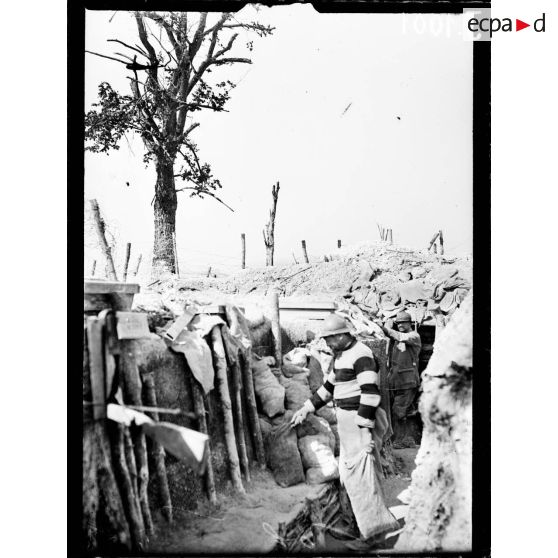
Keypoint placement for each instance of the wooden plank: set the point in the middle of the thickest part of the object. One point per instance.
(108, 287)
(96, 367)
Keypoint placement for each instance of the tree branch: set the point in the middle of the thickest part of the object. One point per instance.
(109, 57)
(128, 46)
(205, 193)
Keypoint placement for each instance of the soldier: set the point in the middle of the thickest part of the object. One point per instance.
(404, 379)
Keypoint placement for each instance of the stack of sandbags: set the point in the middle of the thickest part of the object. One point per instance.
(283, 456)
(270, 394)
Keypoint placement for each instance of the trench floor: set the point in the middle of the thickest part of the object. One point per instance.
(248, 524)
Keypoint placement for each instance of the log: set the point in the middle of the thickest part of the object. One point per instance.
(131, 387)
(317, 523)
(304, 252)
(199, 409)
(251, 406)
(130, 498)
(239, 418)
(157, 452)
(220, 363)
(100, 228)
(116, 532)
(441, 235)
(126, 261)
(243, 242)
(275, 327)
(136, 271)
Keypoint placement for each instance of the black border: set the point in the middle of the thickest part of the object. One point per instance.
(481, 238)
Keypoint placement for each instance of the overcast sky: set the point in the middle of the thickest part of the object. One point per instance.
(340, 172)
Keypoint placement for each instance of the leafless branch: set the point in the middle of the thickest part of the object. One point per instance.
(128, 46)
(205, 193)
(105, 56)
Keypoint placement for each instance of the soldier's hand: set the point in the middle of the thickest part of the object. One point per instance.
(370, 445)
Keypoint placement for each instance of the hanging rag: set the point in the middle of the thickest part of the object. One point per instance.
(238, 326)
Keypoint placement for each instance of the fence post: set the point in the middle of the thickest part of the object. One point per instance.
(338, 244)
(441, 242)
(126, 261)
(243, 240)
(304, 253)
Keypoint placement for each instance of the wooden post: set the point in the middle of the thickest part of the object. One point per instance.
(93, 267)
(126, 261)
(228, 424)
(304, 253)
(433, 240)
(391, 236)
(100, 227)
(275, 327)
(338, 244)
(157, 451)
(435, 248)
(252, 409)
(209, 271)
(131, 386)
(243, 242)
(176, 270)
(269, 231)
(294, 258)
(317, 523)
(199, 409)
(441, 234)
(137, 266)
(239, 422)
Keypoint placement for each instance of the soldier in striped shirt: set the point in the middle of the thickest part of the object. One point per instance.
(353, 386)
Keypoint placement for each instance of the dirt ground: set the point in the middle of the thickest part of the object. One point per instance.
(249, 523)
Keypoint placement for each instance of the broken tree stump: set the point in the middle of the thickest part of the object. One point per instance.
(100, 228)
(269, 231)
(220, 363)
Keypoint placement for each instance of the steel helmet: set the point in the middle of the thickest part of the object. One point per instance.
(334, 324)
(403, 317)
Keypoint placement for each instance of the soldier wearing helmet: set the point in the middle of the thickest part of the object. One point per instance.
(403, 377)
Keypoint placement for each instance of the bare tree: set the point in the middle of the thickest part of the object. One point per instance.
(170, 81)
(269, 231)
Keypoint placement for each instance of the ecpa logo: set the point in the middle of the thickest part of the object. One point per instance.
(480, 26)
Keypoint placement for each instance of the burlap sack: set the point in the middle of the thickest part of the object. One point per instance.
(297, 391)
(270, 395)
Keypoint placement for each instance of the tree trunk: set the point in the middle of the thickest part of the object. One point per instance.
(164, 211)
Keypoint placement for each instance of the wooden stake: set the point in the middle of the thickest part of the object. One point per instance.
(435, 248)
(441, 235)
(295, 260)
(243, 242)
(100, 227)
(304, 253)
(131, 387)
(93, 267)
(269, 231)
(338, 244)
(209, 271)
(228, 424)
(239, 422)
(129, 494)
(251, 407)
(157, 451)
(433, 240)
(137, 266)
(391, 236)
(199, 409)
(275, 327)
(126, 261)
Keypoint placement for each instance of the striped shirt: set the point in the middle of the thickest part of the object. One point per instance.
(353, 384)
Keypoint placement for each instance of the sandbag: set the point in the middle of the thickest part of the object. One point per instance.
(316, 375)
(269, 393)
(364, 490)
(298, 356)
(316, 453)
(318, 475)
(327, 413)
(283, 456)
(314, 425)
(290, 370)
(297, 391)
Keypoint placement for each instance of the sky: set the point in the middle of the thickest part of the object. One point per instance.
(340, 171)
